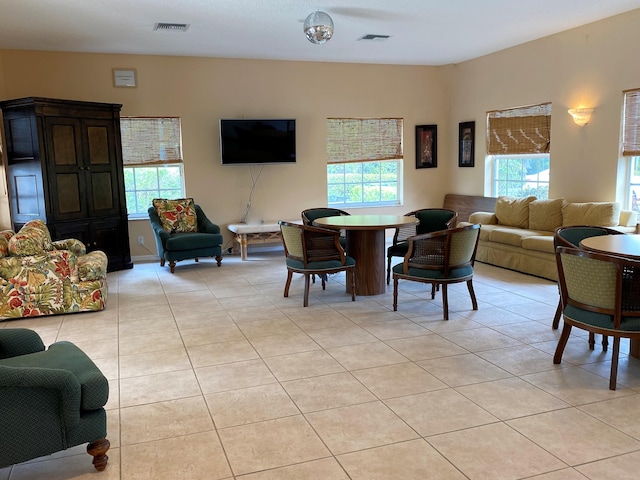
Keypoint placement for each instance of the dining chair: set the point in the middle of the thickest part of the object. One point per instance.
(600, 294)
(440, 258)
(431, 220)
(571, 236)
(312, 250)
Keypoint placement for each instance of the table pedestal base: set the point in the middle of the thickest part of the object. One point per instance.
(365, 246)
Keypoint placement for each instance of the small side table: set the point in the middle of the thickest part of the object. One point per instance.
(249, 234)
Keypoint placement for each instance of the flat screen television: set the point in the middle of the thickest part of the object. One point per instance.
(257, 142)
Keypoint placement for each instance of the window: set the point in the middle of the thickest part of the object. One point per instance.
(519, 142)
(152, 156)
(631, 146)
(364, 158)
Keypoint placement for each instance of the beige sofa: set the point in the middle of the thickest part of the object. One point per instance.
(519, 234)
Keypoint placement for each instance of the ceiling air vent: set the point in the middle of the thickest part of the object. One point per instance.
(171, 27)
(374, 37)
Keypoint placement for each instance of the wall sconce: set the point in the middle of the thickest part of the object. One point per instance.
(581, 116)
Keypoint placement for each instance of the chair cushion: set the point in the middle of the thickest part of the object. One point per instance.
(546, 214)
(601, 320)
(177, 215)
(324, 265)
(32, 239)
(454, 273)
(513, 211)
(192, 241)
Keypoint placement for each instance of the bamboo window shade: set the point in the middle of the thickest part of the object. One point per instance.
(521, 130)
(150, 140)
(631, 128)
(364, 139)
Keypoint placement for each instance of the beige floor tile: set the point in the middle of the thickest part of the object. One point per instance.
(268, 326)
(200, 319)
(151, 342)
(78, 467)
(250, 405)
(156, 421)
(323, 469)
(463, 369)
(366, 355)
(573, 436)
(480, 339)
(511, 398)
(320, 320)
(223, 352)
(327, 391)
(157, 388)
(349, 334)
(220, 378)
(398, 380)
(194, 457)
(356, 427)
(564, 474)
(105, 348)
(621, 413)
(622, 467)
(211, 334)
(146, 326)
(301, 365)
(440, 411)
(425, 347)
(392, 329)
(153, 362)
(284, 344)
(412, 460)
(494, 452)
(520, 359)
(271, 444)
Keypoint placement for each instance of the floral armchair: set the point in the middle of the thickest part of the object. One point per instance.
(42, 277)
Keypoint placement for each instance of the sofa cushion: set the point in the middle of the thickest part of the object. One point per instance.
(32, 239)
(178, 215)
(510, 236)
(513, 211)
(541, 243)
(601, 214)
(546, 214)
(5, 236)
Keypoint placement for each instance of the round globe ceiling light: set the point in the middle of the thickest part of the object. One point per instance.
(318, 27)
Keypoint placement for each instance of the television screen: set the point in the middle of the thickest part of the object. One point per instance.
(246, 142)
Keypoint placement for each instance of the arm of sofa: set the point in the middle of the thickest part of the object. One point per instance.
(483, 218)
(92, 266)
(72, 244)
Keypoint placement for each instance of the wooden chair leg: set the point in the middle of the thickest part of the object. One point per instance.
(388, 269)
(305, 303)
(445, 300)
(562, 342)
(605, 343)
(474, 302)
(288, 284)
(172, 266)
(162, 262)
(592, 340)
(556, 317)
(395, 294)
(351, 276)
(614, 363)
(196, 259)
(98, 450)
(218, 259)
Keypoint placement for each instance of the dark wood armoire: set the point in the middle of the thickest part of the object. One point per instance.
(65, 167)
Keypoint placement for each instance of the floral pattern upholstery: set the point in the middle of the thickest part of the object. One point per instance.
(177, 216)
(57, 278)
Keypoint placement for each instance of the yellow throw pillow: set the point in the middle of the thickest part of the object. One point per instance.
(513, 211)
(599, 214)
(546, 214)
(178, 215)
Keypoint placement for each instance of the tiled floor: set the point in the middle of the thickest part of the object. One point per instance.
(214, 375)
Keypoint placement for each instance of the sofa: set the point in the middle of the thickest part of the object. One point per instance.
(518, 235)
(41, 277)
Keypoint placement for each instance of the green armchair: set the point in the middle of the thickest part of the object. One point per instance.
(182, 231)
(50, 400)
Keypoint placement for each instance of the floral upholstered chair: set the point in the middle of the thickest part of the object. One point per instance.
(183, 231)
(42, 277)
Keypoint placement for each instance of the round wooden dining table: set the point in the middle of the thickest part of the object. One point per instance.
(366, 245)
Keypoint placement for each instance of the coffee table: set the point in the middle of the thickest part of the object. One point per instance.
(366, 244)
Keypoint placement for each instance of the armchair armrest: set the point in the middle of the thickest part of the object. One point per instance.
(92, 266)
(19, 341)
(72, 244)
(486, 218)
(25, 380)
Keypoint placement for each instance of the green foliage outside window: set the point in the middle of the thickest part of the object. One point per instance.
(363, 183)
(521, 176)
(143, 184)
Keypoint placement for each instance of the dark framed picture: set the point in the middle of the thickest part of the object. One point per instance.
(466, 144)
(426, 146)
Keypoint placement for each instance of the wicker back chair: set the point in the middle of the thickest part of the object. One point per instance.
(600, 294)
(312, 250)
(440, 258)
(431, 220)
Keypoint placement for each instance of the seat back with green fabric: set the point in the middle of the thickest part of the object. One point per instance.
(440, 258)
(312, 250)
(50, 400)
(431, 220)
(182, 231)
(600, 294)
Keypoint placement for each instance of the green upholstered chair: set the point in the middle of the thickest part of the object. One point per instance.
(312, 250)
(50, 399)
(311, 214)
(571, 236)
(600, 294)
(204, 241)
(431, 220)
(440, 258)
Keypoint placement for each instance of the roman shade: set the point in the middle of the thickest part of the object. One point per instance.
(150, 140)
(363, 139)
(521, 130)
(631, 127)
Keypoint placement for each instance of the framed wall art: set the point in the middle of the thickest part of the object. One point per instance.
(466, 144)
(426, 146)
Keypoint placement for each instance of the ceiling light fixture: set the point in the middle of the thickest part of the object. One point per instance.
(318, 27)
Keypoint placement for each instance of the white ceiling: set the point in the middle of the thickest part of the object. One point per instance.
(422, 32)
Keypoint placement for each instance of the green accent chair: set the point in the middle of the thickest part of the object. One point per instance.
(431, 220)
(440, 258)
(600, 294)
(176, 246)
(312, 250)
(50, 399)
